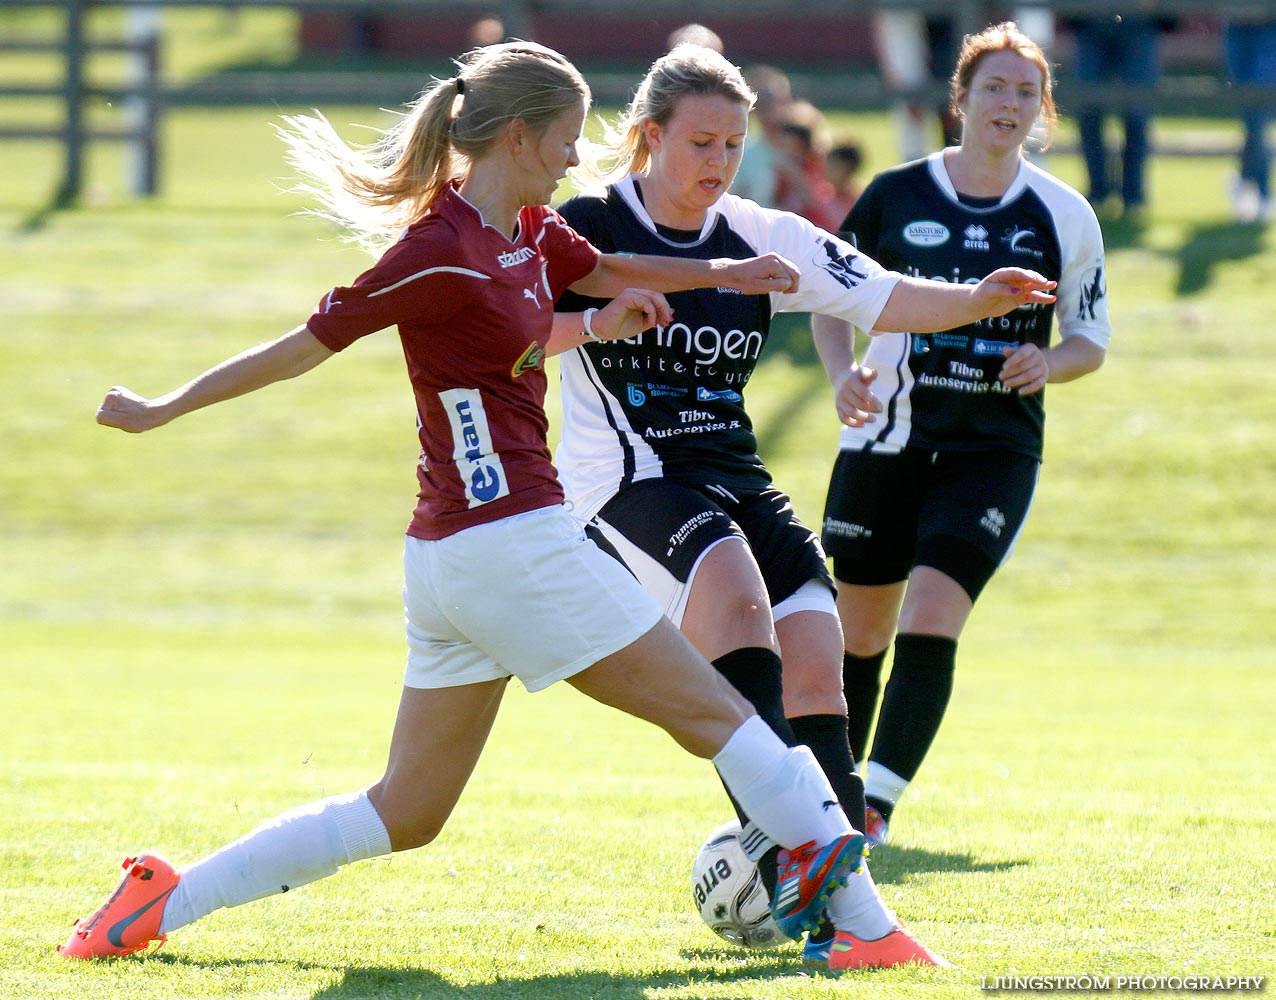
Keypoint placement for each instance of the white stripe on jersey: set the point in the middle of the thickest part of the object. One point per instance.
(592, 459)
(894, 387)
(429, 270)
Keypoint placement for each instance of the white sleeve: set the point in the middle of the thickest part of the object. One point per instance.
(837, 280)
(1082, 308)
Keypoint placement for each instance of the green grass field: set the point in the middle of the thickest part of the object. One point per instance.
(200, 627)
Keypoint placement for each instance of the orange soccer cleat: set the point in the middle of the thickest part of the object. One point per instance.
(897, 948)
(130, 919)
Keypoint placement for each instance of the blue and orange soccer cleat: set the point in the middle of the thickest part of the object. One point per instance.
(896, 948)
(807, 876)
(129, 921)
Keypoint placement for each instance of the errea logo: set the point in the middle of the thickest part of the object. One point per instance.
(513, 257)
(976, 238)
(926, 233)
(993, 521)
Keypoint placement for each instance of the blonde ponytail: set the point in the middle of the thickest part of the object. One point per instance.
(375, 192)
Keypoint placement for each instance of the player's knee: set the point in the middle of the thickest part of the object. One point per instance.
(409, 833)
(868, 641)
(815, 684)
(409, 824)
(746, 614)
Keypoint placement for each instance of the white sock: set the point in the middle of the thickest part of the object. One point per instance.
(781, 789)
(300, 846)
(884, 784)
(859, 908)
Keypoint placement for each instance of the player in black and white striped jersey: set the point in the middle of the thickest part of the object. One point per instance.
(657, 447)
(938, 463)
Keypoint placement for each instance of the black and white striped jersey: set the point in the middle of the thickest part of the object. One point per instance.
(941, 390)
(670, 402)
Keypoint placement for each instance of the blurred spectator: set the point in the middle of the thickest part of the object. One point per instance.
(802, 186)
(912, 51)
(1249, 43)
(842, 168)
(1117, 48)
(486, 31)
(695, 34)
(758, 176)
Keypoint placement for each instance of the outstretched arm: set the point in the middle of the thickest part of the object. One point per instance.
(291, 355)
(920, 306)
(753, 276)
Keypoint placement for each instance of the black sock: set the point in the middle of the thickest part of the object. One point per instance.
(767, 868)
(826, 736)
(754, 671)
(824, 932)
(861, 681)
(914, 702)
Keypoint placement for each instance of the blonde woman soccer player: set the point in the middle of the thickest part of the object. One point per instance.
(658, 448)
(939, 460)
(500, 580)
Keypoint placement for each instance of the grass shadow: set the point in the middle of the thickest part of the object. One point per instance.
(395, 982)
(1212, 244)
(367, 983)
(1123, 232)
(894, 863)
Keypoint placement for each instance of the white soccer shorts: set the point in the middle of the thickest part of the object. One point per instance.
(528, 596)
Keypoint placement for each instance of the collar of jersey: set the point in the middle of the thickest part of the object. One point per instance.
(628, 192)
(935, 163)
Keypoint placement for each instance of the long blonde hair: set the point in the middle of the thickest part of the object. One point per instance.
(685, 70)
(375, 191)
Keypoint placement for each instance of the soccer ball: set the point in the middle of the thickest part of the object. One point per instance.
(729, 892)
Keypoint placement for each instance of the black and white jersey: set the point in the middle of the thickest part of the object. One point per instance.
(670, 402)
(940, 390)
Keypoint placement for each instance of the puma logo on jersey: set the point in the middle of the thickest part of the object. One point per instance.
(531, 293)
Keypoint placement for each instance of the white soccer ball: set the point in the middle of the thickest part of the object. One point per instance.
(729, 892)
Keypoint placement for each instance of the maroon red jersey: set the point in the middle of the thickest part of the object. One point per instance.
(474, 311)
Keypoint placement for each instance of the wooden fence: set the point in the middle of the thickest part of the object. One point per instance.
(144, 95)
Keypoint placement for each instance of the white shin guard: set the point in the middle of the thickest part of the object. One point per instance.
(781, 789)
